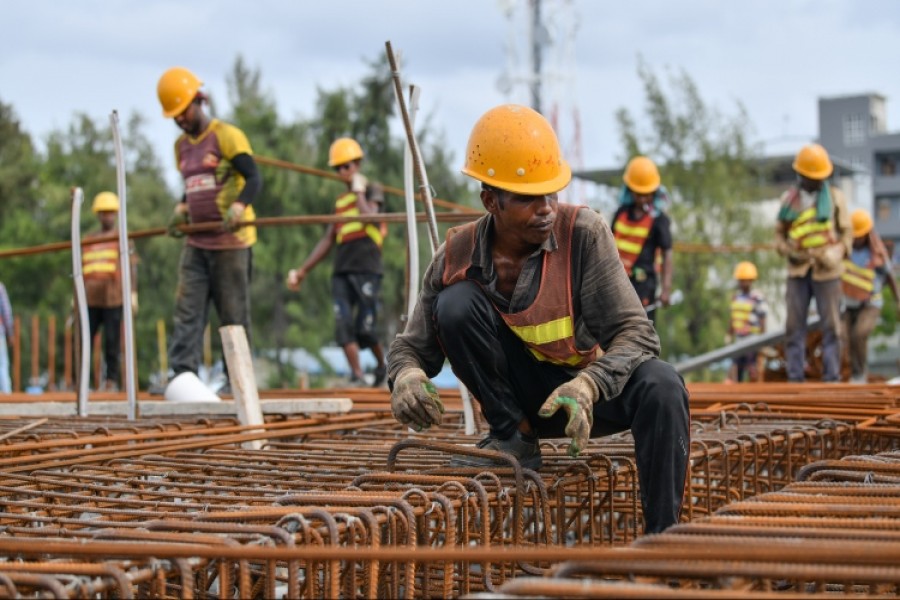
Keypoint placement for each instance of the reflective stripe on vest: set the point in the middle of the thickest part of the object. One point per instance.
(347, 206)
(630, 237)
(857, 282)
(547, 327)
(101, 260)
(741, 311)
(810, 233)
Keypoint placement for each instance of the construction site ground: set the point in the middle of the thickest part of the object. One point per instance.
(793, 491)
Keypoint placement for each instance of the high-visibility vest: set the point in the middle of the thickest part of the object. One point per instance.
(347, 206)
(631, 235)
(808, 233)
(858, 282)
(741, 313)
(100, 261)
(547, 327)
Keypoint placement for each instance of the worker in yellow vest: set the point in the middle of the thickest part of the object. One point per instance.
(748, 317)
(643, 232)
(357, 271)
(865, 272)
(103, 286)
(813, 233)
(537, 318)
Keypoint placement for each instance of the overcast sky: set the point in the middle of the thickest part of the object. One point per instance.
(777, 57)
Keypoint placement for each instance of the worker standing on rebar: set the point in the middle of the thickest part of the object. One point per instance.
(6, 332)
(221, 181)
(357, 271)
(865, 272)
(539, 321)
(103, 286)
(643, 232)
(813, 233)
(748, 317)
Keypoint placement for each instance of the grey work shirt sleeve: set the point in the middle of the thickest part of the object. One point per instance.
(610, 309)
(418, 345)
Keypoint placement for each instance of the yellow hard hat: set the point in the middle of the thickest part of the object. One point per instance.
(641, 175)
(812, 161)
(105, 201)
(514, 148)
(343, 150)
(176, 90)
(745, 270)
(861, 221)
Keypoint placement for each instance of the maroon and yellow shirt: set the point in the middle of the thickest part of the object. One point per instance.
(212, 184)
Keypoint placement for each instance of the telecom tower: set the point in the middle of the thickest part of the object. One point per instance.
(540, 70)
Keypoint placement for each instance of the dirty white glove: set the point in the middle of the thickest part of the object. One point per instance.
(577, 398)
(830, 257)
(234, 216)
(294, 278)
(415, 400)
(358, 183)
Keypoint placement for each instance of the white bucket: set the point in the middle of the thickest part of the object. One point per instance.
(187, 387)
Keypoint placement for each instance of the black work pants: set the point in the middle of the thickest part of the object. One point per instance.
(111, 321)
(511, 385)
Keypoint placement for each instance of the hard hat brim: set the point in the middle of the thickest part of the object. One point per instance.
(529, 189)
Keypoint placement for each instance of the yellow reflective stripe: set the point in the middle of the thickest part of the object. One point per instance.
(109, 254)
(635, 230)
(99, 268)
(856, 281)
(544, 333)
(809, 228)
(629, 247)
(569, 362)
(375, 234)
(345, 201)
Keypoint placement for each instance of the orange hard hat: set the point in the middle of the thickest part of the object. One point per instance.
(514, 148)
(812, 161)
(343, 150)
(861, 221)
(176, 89)
(641, 175)
(745, 270)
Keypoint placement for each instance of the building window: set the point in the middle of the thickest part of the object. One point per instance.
(855, 130)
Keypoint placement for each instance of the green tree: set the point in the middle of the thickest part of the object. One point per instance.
(706, 161)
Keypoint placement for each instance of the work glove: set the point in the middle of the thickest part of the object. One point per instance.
(358, 183)
(294, 278)
(177, 218)
(830, 257)
(415, 400)
(234, 215)
(134, 303)
(577, 398)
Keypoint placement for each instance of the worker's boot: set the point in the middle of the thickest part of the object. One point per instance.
(525, 449)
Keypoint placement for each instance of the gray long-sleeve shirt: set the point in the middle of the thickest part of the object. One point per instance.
(607, 309)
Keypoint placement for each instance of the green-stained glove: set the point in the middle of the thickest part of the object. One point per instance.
(577, 398)
(234, 216)
(415, 400)
(177, 218)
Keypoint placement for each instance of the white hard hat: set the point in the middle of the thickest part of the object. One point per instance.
(187, 387)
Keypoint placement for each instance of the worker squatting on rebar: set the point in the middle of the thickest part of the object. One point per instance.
(535, 313)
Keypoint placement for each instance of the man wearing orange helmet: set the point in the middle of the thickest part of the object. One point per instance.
(221, 181)
(865, 272)
(813, 233)
(103, 285)
(538, 319)
(748, 317)
(356, 277)
(643, 231)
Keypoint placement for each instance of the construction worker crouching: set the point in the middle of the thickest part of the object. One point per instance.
(103, 286)
(221, 181)
(748, 317)
(356, 276)
(539, 321)
(865, 272)
(643, 232)
(813, 234)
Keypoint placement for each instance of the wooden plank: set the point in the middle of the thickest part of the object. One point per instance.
(242, 379)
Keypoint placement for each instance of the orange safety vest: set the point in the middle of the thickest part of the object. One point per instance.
(100, 261)
(630, 237)
(858, 282)
(741, 311)
(347, 206)
(808, 233)
(547, 327)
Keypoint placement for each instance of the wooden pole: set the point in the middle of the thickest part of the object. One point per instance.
(17, 354)
(35, 350)
(242, 379)
(67, 357)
